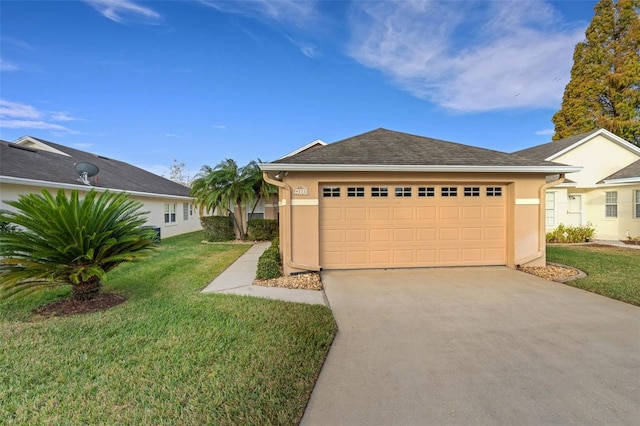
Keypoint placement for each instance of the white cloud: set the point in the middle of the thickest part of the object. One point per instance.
(284, 11)
(6, 66)
(172, 135)
(468, 56)
(545, 132)
(62, 116)
(124, 10)
(219, 126)
(16, 115)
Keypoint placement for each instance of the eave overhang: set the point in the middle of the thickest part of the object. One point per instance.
(288, 167)
(48, 184)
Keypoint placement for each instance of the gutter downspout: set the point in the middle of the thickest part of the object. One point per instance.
(289, 259)
(541, 221)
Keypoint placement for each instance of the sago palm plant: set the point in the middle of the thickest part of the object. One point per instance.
(71, 240)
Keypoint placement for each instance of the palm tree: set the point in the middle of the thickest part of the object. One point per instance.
(70, 241)
(228, 185)
(221, 188)
(261, 188)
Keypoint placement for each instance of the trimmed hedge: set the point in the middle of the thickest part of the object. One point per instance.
(269, 263)
(262, 229)
(218, 228)
(571, 234)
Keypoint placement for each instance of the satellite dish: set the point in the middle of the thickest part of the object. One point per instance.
(85, 170)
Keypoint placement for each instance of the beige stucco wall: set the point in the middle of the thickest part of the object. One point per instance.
(300, 200)
(154, 205)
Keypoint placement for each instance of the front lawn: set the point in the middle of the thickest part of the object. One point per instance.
(168, 355)
(611, 271)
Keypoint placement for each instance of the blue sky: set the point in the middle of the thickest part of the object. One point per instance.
(147, 82)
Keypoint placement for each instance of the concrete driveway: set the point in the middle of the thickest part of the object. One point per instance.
(481, 346)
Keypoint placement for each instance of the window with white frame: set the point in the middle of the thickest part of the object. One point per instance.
(170, 213)
(636, 204)
(611, 204)
(550, 209)
(185, 211)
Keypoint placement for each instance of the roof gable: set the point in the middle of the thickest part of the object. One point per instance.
(552, 150)
(629, 174)
(24, 162)
(312, 145)
(388, 149)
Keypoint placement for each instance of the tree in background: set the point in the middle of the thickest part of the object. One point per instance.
(228, 185)
(261, 188)
(69, 241)
(604, 90)
(178, 173)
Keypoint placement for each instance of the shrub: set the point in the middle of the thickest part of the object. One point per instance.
(571, 234)
(262, 229)
(269, 264)
(217, 228)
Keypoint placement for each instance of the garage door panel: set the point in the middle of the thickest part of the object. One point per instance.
(472, 212)
(495, 212)
(427, 234)
(409, 231)
(380, 213)
(356, 236)
(333, 236)
(403, 213)
(403, 257)
(402, 235)
(427, 213)
(472, 234)
(356, 257)
(380, 257)
(379, 235)
(450, 234)
(449, 212)
(355, 213)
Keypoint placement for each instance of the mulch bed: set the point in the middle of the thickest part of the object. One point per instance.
(307, 281)
(554, 272)
(67, 307)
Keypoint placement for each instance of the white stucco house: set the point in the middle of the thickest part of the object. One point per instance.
(605, 193)
(30, 164)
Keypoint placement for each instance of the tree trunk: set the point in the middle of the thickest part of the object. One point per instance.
(87, 290)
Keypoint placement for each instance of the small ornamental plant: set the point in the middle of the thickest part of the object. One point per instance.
(59, 240)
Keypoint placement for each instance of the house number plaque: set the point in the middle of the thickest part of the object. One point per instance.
(301, 190)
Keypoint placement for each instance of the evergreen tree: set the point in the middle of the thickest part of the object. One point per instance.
(604, 90)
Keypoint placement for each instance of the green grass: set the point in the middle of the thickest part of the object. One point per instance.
(611, 271)
(168, 355)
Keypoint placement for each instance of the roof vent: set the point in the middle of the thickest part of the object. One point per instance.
(85, 170)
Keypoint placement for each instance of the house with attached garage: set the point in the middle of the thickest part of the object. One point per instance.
(386, 199)
(604, 194)
(30, 164)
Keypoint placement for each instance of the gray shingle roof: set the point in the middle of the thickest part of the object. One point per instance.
(629, 172)
(386, 147)
(20, 162)
(546, 150)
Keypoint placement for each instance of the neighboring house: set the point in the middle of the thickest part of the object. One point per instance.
(605, 193)
(30, 164)
(386, 199)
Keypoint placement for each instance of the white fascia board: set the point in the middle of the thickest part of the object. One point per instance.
(42, 146)
(621, 181)
(607, 134)
(283, 167)
(47, 184)
(307, 146)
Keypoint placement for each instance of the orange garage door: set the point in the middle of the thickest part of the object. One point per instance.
(414, 225)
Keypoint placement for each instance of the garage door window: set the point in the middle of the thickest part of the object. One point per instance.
(494, 191)
(355, 191)
(471, 191)
(449, 191)
(379, 191)
(426, 191)
(403, 191)
(330, 191)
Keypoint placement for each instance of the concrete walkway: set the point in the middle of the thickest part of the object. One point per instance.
(238, 279)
